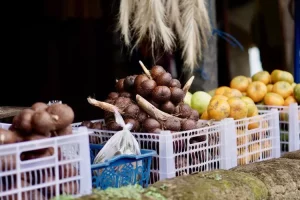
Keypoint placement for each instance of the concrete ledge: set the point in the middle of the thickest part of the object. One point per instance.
(292, 155)
(276, 179)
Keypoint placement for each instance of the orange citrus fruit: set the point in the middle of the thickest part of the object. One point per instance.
(218, 109)
(221, 90)
(269, 87)
(282, 88)
(273, 99)
(238, 108)
(240, 83)
(262, 76)
(289, 100)
(256, 91)
(279, 75)
(204, 115)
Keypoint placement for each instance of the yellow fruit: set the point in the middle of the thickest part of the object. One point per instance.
(218, 109)
(279, 75)
(221, 90)
(262, 76)
(240, 83)
(241, 138)
(297, 92)
(253, 125)
(256, 91)
(273, 99)
(238, 108)
(218, 96)
(236, 93)
(289, 100)
(244, 93)
(252, 109)
(282, 88)
(269, 87)
(204, 116)
(247, 100)
(249, 79)
(233, 93)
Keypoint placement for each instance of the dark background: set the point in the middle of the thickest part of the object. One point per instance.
(71, 59)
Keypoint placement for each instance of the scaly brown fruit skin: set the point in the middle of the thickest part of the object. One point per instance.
(39, 106)
(172, 124)
(43, 123)
(175, 83)
(151, 124)
(157, 71)
(120, 85)
(168, 107)
(64, 113)
(113, 95)
(177, 95)
(183, 111)
(164, 79)
(194, 115)
(139, 79)
(161, 94)
(146, 88)
(129, 83)
(188, 124)
(132, 111)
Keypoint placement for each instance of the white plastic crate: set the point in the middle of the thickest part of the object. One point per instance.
(258, 137)
(289, 125)
(5, 126)
(226, 144)
(183, 153)
(49, 176)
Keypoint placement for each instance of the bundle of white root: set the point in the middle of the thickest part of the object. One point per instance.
(164, 22)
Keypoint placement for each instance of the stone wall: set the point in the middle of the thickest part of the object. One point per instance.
(276, 179)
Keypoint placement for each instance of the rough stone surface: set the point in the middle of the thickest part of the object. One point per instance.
(216, 185)
(276, 179)
(292, 155)
(281, 177)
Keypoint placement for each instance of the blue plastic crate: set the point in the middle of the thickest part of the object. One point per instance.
(122, 170)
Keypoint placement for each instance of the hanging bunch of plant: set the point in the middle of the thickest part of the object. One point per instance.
(166, 23)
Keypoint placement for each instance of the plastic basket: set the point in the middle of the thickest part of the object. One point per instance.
(215, 147)
(62, 171)
(258, 137)
(121, 170)
(289, 125)
(5, 126)
(183, 153)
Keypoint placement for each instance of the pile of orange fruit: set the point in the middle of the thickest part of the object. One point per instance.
(239, 100)
(275, 89)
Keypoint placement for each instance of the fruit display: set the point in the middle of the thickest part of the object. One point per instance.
(151, 102)
(38, 122)
(263, 88)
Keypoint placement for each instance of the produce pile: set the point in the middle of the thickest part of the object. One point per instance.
(38, 122)
(152, 102)
(240, 99)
